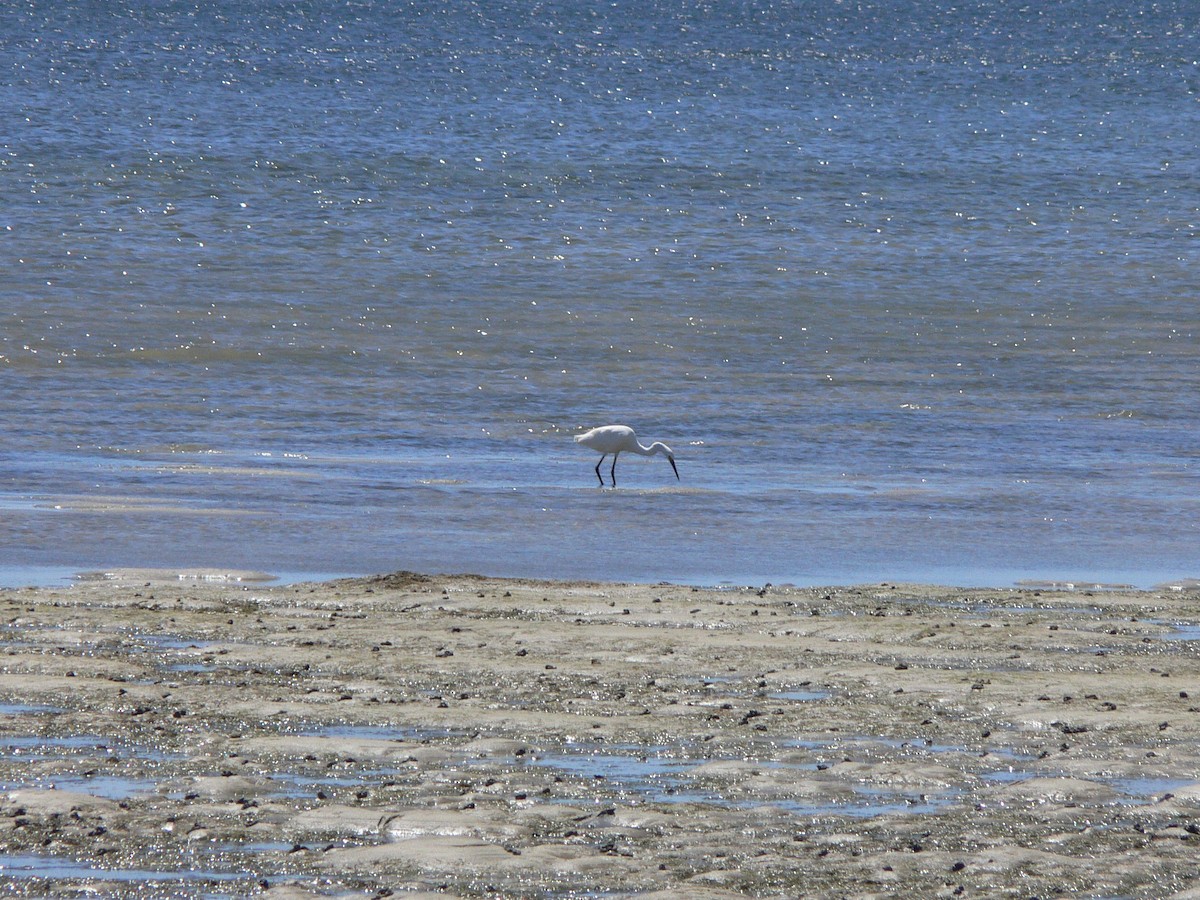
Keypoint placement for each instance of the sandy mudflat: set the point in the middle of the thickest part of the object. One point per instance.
(461, 736)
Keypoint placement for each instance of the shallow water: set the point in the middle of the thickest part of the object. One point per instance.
(659, 778)
(35, 865)
(1143, 790)
(111, 787)
(398, 733)
(29, 747)
(25, 709)
(650, 775)
(1181, 631)
(908, 288)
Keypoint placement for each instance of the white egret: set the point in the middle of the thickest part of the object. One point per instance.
(615, 439)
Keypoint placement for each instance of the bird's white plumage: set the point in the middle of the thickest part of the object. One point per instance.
(617, 439)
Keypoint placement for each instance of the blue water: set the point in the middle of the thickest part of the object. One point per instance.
(909, 288)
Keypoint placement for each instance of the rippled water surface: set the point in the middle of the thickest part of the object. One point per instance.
(910, 289)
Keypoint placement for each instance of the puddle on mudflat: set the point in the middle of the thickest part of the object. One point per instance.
(649, 775)
(170, 642)
(377, 732)
(923, 746)
(30, 747)
(192, 668)
(1138, 790)
(206, 668)
(1016, 776)
(728, 686)
(1148, 788)
(667, 779)
(880, 746)
(868, 804)
(1182, 631)
(27, 709)
(800, 695)
(33, 747)
(33, 865)
(110, 787)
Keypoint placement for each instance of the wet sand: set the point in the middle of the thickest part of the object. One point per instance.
(464, 736)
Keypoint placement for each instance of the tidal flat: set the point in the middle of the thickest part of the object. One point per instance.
(209, 735)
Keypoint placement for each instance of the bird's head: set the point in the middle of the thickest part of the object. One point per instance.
(660, 447)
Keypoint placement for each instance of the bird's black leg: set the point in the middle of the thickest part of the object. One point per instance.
(613, 471)
(598, 475)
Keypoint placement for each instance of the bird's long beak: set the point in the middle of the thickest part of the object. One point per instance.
(671, 460)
